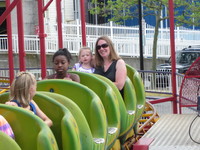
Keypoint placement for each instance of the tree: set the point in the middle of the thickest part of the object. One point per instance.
(185, 12)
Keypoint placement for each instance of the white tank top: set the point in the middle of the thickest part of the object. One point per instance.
(78, 67)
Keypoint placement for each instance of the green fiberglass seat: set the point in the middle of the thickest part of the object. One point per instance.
(127, 105)
(89, 103)
(7, 143)
(85, 135)
(139, 89)
(110, 103)
(4, 97)
(64, 127)
(31, 133)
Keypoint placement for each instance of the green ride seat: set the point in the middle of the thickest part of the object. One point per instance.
(127, 105)
(4, 97)
(85, 135)
(31, 133)
(139, 89)
(110, 103)
(89, 103)
(7, 143)
(64, 127)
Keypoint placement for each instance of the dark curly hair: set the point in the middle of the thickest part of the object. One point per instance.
(63, 52)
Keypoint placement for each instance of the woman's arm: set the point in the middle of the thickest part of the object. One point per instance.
(121, 73)
(42, 115)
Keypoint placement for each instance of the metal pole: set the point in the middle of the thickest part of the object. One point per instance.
(173, 58)
(140, 35)
(20, 26)
(8, 10)
(59, 23)
(83, 27)
(10, 52)
(42, 39)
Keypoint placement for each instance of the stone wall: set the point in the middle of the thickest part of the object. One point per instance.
(33, 61)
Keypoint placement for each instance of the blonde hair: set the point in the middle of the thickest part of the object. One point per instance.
(113, 53)
(82, 49)
(20, 88)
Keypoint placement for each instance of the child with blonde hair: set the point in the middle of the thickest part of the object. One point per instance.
(22, 91)
(85, 61)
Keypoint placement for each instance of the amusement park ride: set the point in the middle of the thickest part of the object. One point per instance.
(92, 114)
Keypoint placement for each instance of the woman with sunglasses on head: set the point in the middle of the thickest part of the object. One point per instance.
(108, 63)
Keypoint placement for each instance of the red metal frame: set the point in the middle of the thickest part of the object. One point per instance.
(10, 52)
(22, 62)
(162, 100)
(42, 36)
(143, 144)
(190, 86)
(59, 23)
(8, 10)
(173, 58)
(6, 15)
(83, 27)
(173, 61)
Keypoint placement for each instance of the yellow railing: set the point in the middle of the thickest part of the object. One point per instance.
(4, 90)
(4, 81)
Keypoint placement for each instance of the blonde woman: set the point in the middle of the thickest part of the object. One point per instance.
(22, 91)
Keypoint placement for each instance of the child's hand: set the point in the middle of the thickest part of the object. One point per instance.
(11, 103)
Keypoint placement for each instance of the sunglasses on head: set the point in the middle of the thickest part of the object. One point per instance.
(103, 46)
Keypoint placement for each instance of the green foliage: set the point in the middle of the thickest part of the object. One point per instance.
(117, 11)
(190, 14)
(185, 11)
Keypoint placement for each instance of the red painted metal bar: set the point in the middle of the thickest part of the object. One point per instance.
(162, 100)
(143, 144)
(8, 10)
(192, 76)
(173, 58)
(20, 26)
(83, 27)
(180, 95)
(46, 6)
(42, 39)
(59, 23)
(10, 52)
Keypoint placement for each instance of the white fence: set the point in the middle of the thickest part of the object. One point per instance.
(162, 82)
(125, 39)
